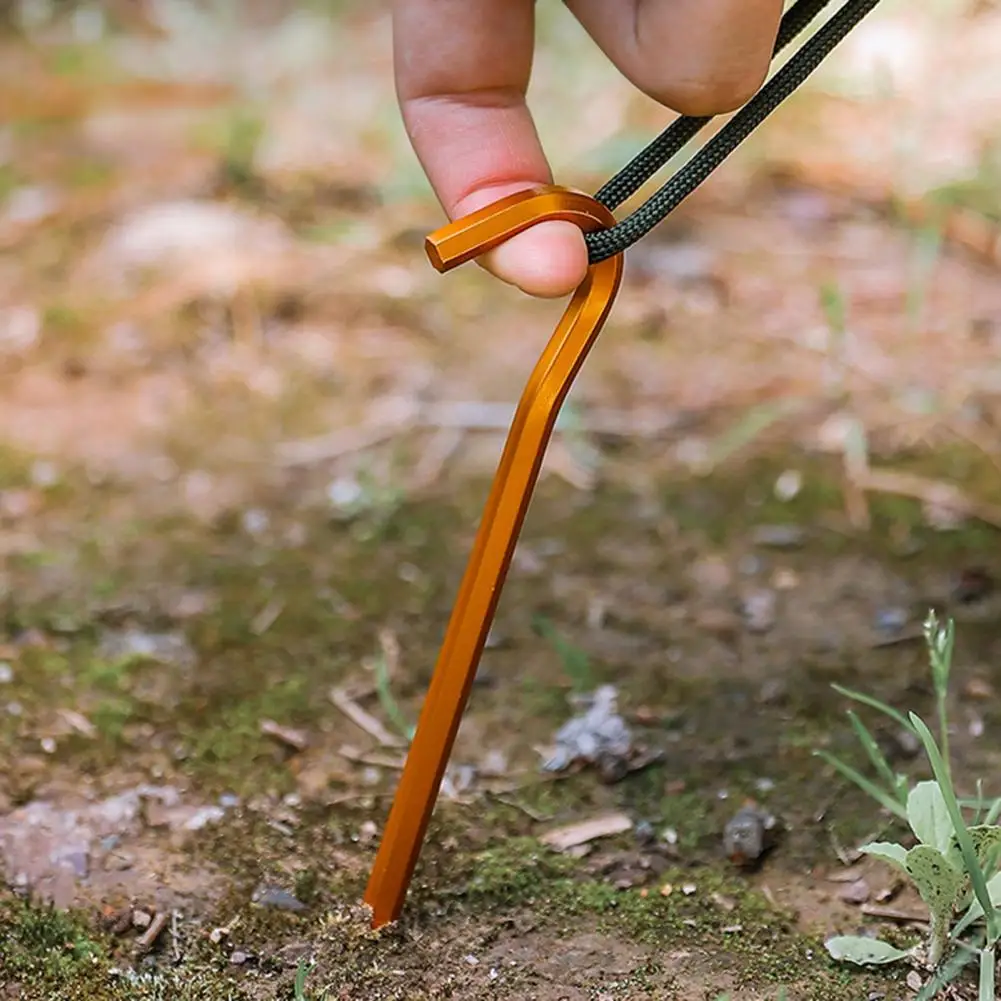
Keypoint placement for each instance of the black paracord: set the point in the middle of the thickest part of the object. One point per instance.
(606, 243)
(644, 165)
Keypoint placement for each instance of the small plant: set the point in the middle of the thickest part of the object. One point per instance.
(388, 701)
(299, 986)
(893, 793)
(575, 661)
(954, 866)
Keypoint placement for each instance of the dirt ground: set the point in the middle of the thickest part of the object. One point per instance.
(245, 438)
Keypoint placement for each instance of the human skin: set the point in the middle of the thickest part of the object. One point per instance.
(462, 71)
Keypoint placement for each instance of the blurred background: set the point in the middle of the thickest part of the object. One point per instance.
(212, 272)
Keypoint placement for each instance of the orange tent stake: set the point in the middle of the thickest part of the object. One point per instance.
(503, 516)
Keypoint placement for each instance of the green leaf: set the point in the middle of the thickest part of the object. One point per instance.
(873, 703)
(928, 816)
(986, 840)
(869, 788)
(940, 885)
(863, 951)
(935, 877)
(896, 855)
(872, 749)
(976, 910)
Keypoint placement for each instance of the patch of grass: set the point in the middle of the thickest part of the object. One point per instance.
(40, 942)
(225, 744)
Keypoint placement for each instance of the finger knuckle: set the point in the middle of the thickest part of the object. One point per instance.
(708, 95)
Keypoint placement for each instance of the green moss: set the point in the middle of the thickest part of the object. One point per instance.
(40, 942)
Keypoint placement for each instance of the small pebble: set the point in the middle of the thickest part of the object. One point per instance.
(748, 835)
(772, 691)
(644, 832)
(711, 574)
(788, 485)
(718, 621)
(978, 688)
(785, 579)
(759, 609)
(6, 673)
(857, 892)
(942, 517)
(778, 536)
(344, 493)
(914, 980)
(750, 565)
(277, 898)
(255, 521)
(891, 620)
(908, 745)
(494, 763)
(141, 919)
(238, 957)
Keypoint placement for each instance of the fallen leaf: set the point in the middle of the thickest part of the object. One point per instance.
(604, 826)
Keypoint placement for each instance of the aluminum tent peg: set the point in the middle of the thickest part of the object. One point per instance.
(508, 501)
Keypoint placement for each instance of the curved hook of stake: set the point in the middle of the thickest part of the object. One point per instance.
(503, 515)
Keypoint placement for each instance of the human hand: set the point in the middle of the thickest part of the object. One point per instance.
(462, 70)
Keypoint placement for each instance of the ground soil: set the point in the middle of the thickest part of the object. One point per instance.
(246, 440)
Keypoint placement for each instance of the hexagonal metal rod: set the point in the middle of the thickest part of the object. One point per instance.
(503, 516)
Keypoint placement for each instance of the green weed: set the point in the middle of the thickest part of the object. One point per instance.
(955, 865)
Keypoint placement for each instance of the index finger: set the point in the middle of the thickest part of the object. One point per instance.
(462, 70)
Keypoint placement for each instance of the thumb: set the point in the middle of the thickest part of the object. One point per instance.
(547, 260)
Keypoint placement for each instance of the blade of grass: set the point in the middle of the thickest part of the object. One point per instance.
(868, 700)
(987, 967)
(977, 817)
(388, 703)
(876, 756)
(869, 788)
(994, 812)
(575, 662)
(969, 854)
(754, 423)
